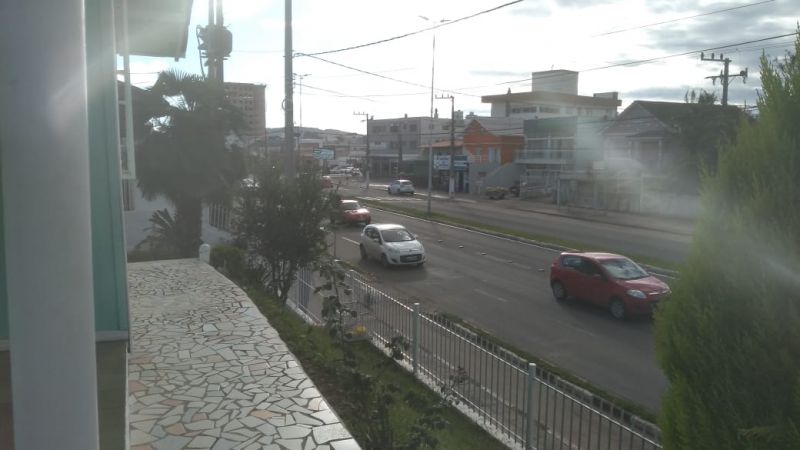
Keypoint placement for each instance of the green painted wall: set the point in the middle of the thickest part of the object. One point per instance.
(3, 297)
(108, 243)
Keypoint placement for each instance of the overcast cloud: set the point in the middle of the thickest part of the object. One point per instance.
(480, 56)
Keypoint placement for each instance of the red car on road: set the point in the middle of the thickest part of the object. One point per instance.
(351, 212)
(608, 280)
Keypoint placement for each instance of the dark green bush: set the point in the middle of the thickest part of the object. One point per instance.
(232, 261)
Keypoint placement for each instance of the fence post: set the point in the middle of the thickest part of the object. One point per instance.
(533, 410)
(415, 339)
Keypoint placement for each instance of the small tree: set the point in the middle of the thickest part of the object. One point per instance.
(729, 338)
(280, 224)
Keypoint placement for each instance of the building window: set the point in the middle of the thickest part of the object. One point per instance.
(516, 110)
(445, 127)
(531, 109)
(413, 127)
(378, 129)
(549, 109)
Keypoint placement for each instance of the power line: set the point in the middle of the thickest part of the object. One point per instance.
(385, 77)
(382, 41)
(658, 58)
(681, 18)
(528, 80)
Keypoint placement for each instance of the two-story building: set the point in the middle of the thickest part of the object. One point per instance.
(400, 145)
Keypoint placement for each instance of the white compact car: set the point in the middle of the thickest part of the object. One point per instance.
(392, 245)
(397, 187)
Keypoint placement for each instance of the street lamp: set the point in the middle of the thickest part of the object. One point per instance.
(430, 135)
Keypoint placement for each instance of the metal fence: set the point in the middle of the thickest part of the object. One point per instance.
(525, 406)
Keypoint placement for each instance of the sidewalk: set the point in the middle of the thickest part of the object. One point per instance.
(207, 371)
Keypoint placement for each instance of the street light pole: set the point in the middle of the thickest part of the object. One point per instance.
(430, 135)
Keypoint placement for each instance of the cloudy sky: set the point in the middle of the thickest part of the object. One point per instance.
(487, 54)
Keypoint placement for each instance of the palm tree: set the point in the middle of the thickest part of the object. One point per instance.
(186, 154)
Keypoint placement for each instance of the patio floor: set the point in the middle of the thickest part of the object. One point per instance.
(207, 370)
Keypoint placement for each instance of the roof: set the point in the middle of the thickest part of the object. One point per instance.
(552, 97)
(386, 226)
(445, 144)
(156, 27)
(499, 126)
(595, 255)
(668, 112)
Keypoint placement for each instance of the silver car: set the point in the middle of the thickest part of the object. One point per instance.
(401, 187)
(392, 245)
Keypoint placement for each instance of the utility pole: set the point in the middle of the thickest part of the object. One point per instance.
(452, 183)
(724, 76)
(430, 137)
(367, 169)
(288, 102)
(399, 152)
(216, 42)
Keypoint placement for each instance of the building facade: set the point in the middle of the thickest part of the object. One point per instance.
(249, 99)
(400, 145)
(554, 93)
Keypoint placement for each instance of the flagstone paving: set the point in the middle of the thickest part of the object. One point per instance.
(207, 371)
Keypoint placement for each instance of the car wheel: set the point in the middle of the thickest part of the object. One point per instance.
(362, 251)
(420, 264)
(558, 291)
(617, 308)
(384, 261)
(389, 190)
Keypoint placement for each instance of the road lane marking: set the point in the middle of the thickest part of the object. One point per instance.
(350, 240)
(481, 291)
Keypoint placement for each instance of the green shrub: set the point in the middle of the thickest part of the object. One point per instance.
(231, 261)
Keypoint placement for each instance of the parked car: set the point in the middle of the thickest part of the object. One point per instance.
(355, 173)
(392, 245)
(397, 187)
(608, 280)
(351, 212)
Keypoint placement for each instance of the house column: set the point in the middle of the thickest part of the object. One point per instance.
(48, 248)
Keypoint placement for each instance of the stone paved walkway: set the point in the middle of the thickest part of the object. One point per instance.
(207, 371)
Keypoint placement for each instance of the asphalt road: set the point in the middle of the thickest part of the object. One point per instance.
(590, 235)
(502, 286)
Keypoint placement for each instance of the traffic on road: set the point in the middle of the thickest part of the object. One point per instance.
(503, 286)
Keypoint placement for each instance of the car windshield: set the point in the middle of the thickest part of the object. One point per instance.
(397, 235)
(405, 183)
(623, 269)
(349, 206)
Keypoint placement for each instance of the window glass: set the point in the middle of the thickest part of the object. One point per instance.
(624, 269)
(397, 235)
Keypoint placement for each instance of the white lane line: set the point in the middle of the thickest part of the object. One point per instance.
(481, 291)
(350, 240)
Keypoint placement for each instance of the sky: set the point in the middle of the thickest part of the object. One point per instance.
(486, 54)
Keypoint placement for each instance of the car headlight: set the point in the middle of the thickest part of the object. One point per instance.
(635, 293)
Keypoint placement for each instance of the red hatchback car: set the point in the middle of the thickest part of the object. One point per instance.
(611, 281)
(351, 212)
